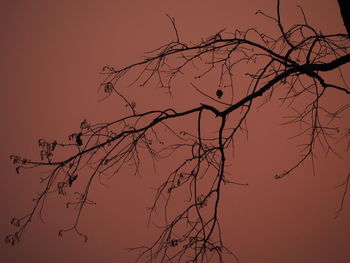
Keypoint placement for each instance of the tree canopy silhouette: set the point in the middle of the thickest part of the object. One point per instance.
(293, 64)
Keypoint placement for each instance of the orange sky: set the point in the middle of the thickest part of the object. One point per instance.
(51, 55)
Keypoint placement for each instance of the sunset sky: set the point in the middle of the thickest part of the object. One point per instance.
(51, 55)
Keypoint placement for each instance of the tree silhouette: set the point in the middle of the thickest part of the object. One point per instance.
(292, 64)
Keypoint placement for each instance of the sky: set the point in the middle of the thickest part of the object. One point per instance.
(52, 53)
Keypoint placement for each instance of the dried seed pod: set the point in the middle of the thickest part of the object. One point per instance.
(219, 93)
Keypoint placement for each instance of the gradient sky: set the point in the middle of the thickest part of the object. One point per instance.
(51, 55)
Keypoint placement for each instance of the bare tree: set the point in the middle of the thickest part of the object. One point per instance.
(292, 64)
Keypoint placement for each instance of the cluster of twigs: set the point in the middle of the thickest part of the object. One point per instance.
(292, 63)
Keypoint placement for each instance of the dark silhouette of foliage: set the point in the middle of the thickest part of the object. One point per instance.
(292, 63)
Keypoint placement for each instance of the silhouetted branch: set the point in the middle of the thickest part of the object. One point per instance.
(292, 63)
(345, 13)
(346, 185)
